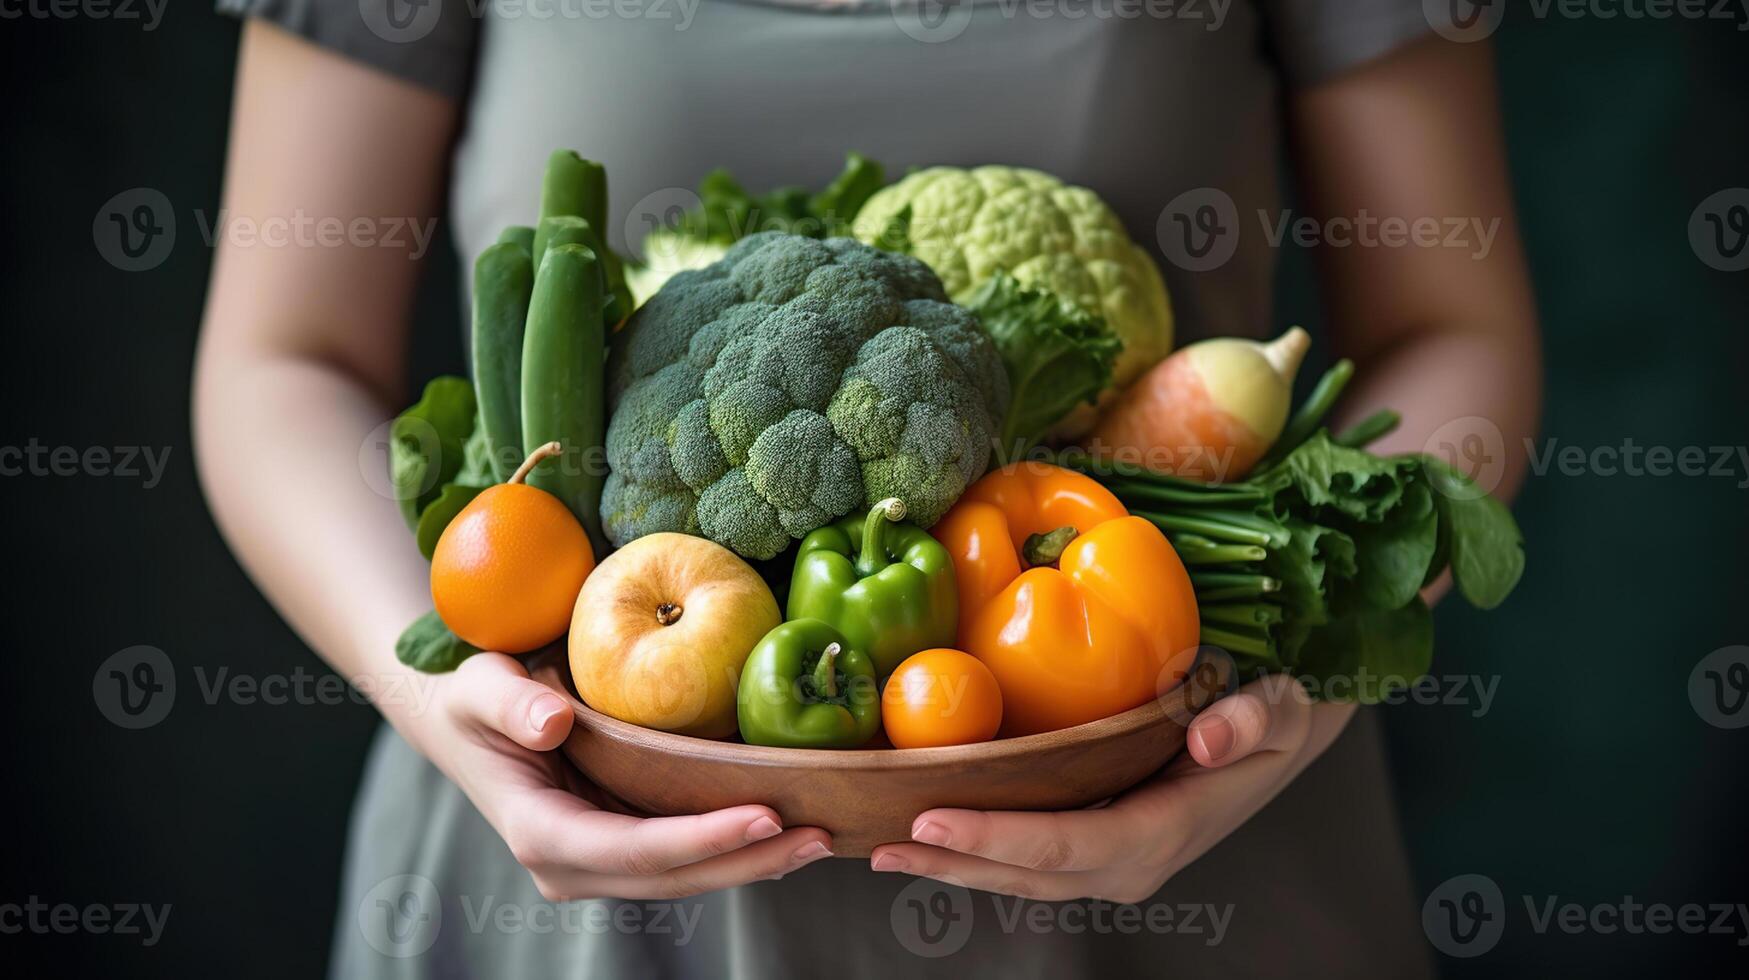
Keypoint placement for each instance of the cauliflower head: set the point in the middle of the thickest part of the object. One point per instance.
(790, 383)
(970, 224)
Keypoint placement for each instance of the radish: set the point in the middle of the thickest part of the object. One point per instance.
(1208, 412)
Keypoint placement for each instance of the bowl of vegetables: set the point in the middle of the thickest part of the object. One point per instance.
(869, 796)
(793, 517)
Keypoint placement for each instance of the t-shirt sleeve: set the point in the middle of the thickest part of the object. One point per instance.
(1318, 39)
(427, 42)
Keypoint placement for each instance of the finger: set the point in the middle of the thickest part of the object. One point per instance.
(771, 858)
(495, 693)
(984, 874)
(1072, 840)
(1272, 713)
(557, 830)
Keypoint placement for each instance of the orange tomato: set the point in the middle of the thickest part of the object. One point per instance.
(507, 569)
(941, 697)
(1105, 617)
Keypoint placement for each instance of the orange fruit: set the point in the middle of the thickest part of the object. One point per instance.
(941, 697)
(507, 569)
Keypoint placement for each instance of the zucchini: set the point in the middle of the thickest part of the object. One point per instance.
(564, 395)
(503, 280)
(519, 235)
(577, 187)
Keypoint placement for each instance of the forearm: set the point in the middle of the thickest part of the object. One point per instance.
(281, 444)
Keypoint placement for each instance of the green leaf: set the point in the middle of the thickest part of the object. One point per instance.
(1487, 548)
(426, 443)
(1394, 555)
(836, 206)
(1308, 565)
(1365, 654)
(1353, 482)
(428, 645)
(437, 516)
(1057, 355)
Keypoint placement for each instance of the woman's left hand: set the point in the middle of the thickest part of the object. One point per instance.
(1241, 751)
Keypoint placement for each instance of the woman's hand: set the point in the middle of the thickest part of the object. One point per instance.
(493, 730)
(1241, 751)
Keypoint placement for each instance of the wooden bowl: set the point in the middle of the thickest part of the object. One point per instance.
(865, 797)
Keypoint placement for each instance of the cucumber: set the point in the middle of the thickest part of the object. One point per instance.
(564, 395)
(577, 187)
(519, 235)
(503, 280)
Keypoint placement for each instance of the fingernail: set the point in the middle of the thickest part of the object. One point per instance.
(890, 862)
(762, 828)
(1217, 738)
(811, 851)
(544, 709)
(930, 832)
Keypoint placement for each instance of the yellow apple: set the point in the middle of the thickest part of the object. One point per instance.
(661, 630)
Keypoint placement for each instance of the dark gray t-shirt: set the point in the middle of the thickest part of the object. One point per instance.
(1162, 107)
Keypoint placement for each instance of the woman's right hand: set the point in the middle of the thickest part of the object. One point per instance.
(493, 731)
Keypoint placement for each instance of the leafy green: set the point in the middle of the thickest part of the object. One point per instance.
(1366, 654)
(1348, 540)
(729, 213)
(428, 645)
(436, 517)
(1057, 355)
(426, 443)
(1487, 549)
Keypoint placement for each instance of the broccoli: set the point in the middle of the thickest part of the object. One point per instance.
(790, 383)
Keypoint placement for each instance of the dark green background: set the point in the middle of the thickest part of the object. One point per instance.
(1590, 779)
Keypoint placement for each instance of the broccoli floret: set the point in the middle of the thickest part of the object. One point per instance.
(789, 384)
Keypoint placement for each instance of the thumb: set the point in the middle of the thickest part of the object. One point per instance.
(496, 694)
(1270, 713)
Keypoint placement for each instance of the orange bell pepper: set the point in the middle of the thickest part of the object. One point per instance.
(1106, 625)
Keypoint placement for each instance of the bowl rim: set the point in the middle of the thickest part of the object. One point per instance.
(1207, 680)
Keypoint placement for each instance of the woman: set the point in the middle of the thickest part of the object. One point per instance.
(351, 109)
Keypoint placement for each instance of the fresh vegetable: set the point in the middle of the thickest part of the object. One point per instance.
(888, 587)
(941, 697)
(661, 631)
(789, 384)
(1079, 609)
(503, 280)
(727, 214)
(562, 381)
(573, 186)
(806, 686)
(1208, 412)
(1314, 564)
(1057, 355)
(968, 225)
(507, 570)
(428, 645)
(426, 444)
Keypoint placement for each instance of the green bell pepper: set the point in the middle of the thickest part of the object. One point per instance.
(889, 587)
(805, 687)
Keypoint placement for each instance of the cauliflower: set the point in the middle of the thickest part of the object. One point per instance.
(790, 383)
(970, 224)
